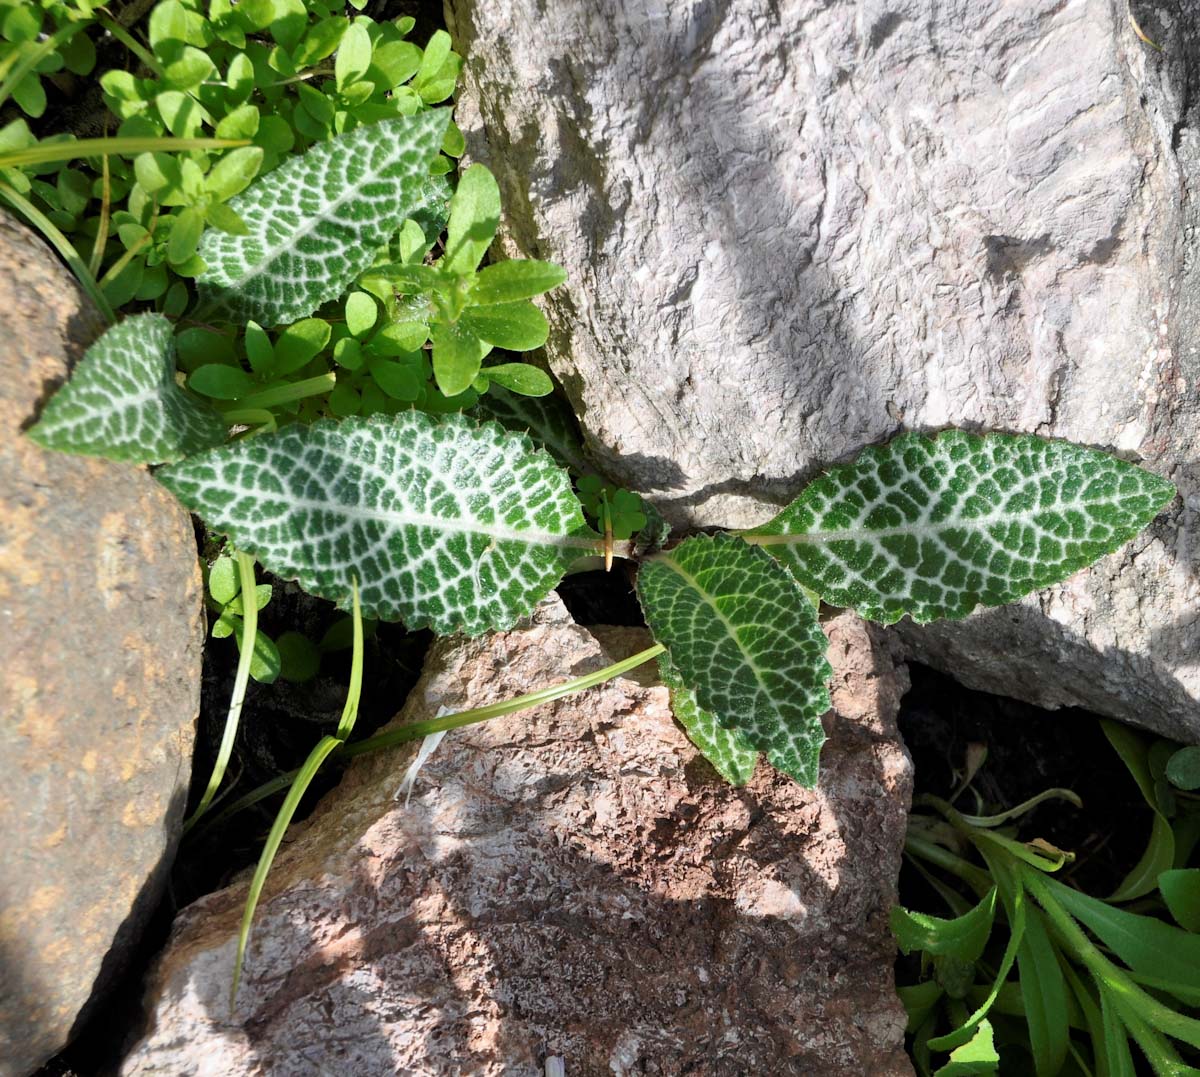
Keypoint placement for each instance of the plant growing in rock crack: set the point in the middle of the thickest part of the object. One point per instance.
(1077, 978)
(329, 358)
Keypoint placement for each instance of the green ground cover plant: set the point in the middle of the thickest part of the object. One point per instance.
(307, 359)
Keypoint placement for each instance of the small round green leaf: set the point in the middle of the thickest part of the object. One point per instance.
(233, 172)
(1183, 769)
(520, 378)
(300, 343)
(361, 313)
(223, 583)
(221, 382)
(517, 327)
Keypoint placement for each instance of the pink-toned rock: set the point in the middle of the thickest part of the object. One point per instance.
(103, 630)
(574, 881)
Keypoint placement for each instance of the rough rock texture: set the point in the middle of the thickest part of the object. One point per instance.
(99, 683)
(572, 881)
(795, 228)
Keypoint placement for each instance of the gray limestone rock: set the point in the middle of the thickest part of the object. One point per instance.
(796, 228)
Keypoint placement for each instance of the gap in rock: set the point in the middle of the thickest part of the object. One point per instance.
(603, 598)
(1029, 750)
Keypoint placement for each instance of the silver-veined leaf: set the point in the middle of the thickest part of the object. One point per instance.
(933, 527)
(446, 524)
(123, 401)
(746, 642)
(723, 748)
(546, 419)
(316, 222)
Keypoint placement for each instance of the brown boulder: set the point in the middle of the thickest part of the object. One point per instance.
(99, 591)
(573, 881)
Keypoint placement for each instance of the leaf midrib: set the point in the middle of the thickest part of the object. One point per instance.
(438, 523)
(923, 530)
(312, 223)
(729, 625)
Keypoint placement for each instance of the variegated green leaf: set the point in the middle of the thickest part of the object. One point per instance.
(744, 639)
(546, 419)
(123, 401)
(445, 524)
(934, 527)
(725, 749)
(316, 222)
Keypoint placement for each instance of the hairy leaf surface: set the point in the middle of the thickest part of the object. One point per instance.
(724, 748)
(316, 222)
(934, 527)
(123, 402)
(446, 524)
(546, 419)
(746, 641)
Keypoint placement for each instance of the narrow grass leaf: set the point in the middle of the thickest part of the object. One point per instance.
(1044, 991)
(291, 802)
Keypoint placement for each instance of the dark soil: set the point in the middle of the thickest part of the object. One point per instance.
(1029, 750)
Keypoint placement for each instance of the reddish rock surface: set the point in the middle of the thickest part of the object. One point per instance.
(573, 881)
(100, 682)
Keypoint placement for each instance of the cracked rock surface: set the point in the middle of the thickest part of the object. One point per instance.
(573, 881)
(796, 228)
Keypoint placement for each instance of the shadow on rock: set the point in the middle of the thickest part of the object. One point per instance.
(573, 881)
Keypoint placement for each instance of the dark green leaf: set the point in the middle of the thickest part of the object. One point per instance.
(963, 937)
(745, 642)
(1045, 995)
(1181, 891)
(299, 659)
(1183, 769)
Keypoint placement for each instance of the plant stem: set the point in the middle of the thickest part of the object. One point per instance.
(116, 268)
(285, 394)
(105, 209)
(249, 637)
(418, 730)
(33, 57)
(61, 244)
(130, 42)
(974, 877)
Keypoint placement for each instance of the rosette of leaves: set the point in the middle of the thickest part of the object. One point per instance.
(463, 311)
(619, 513)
